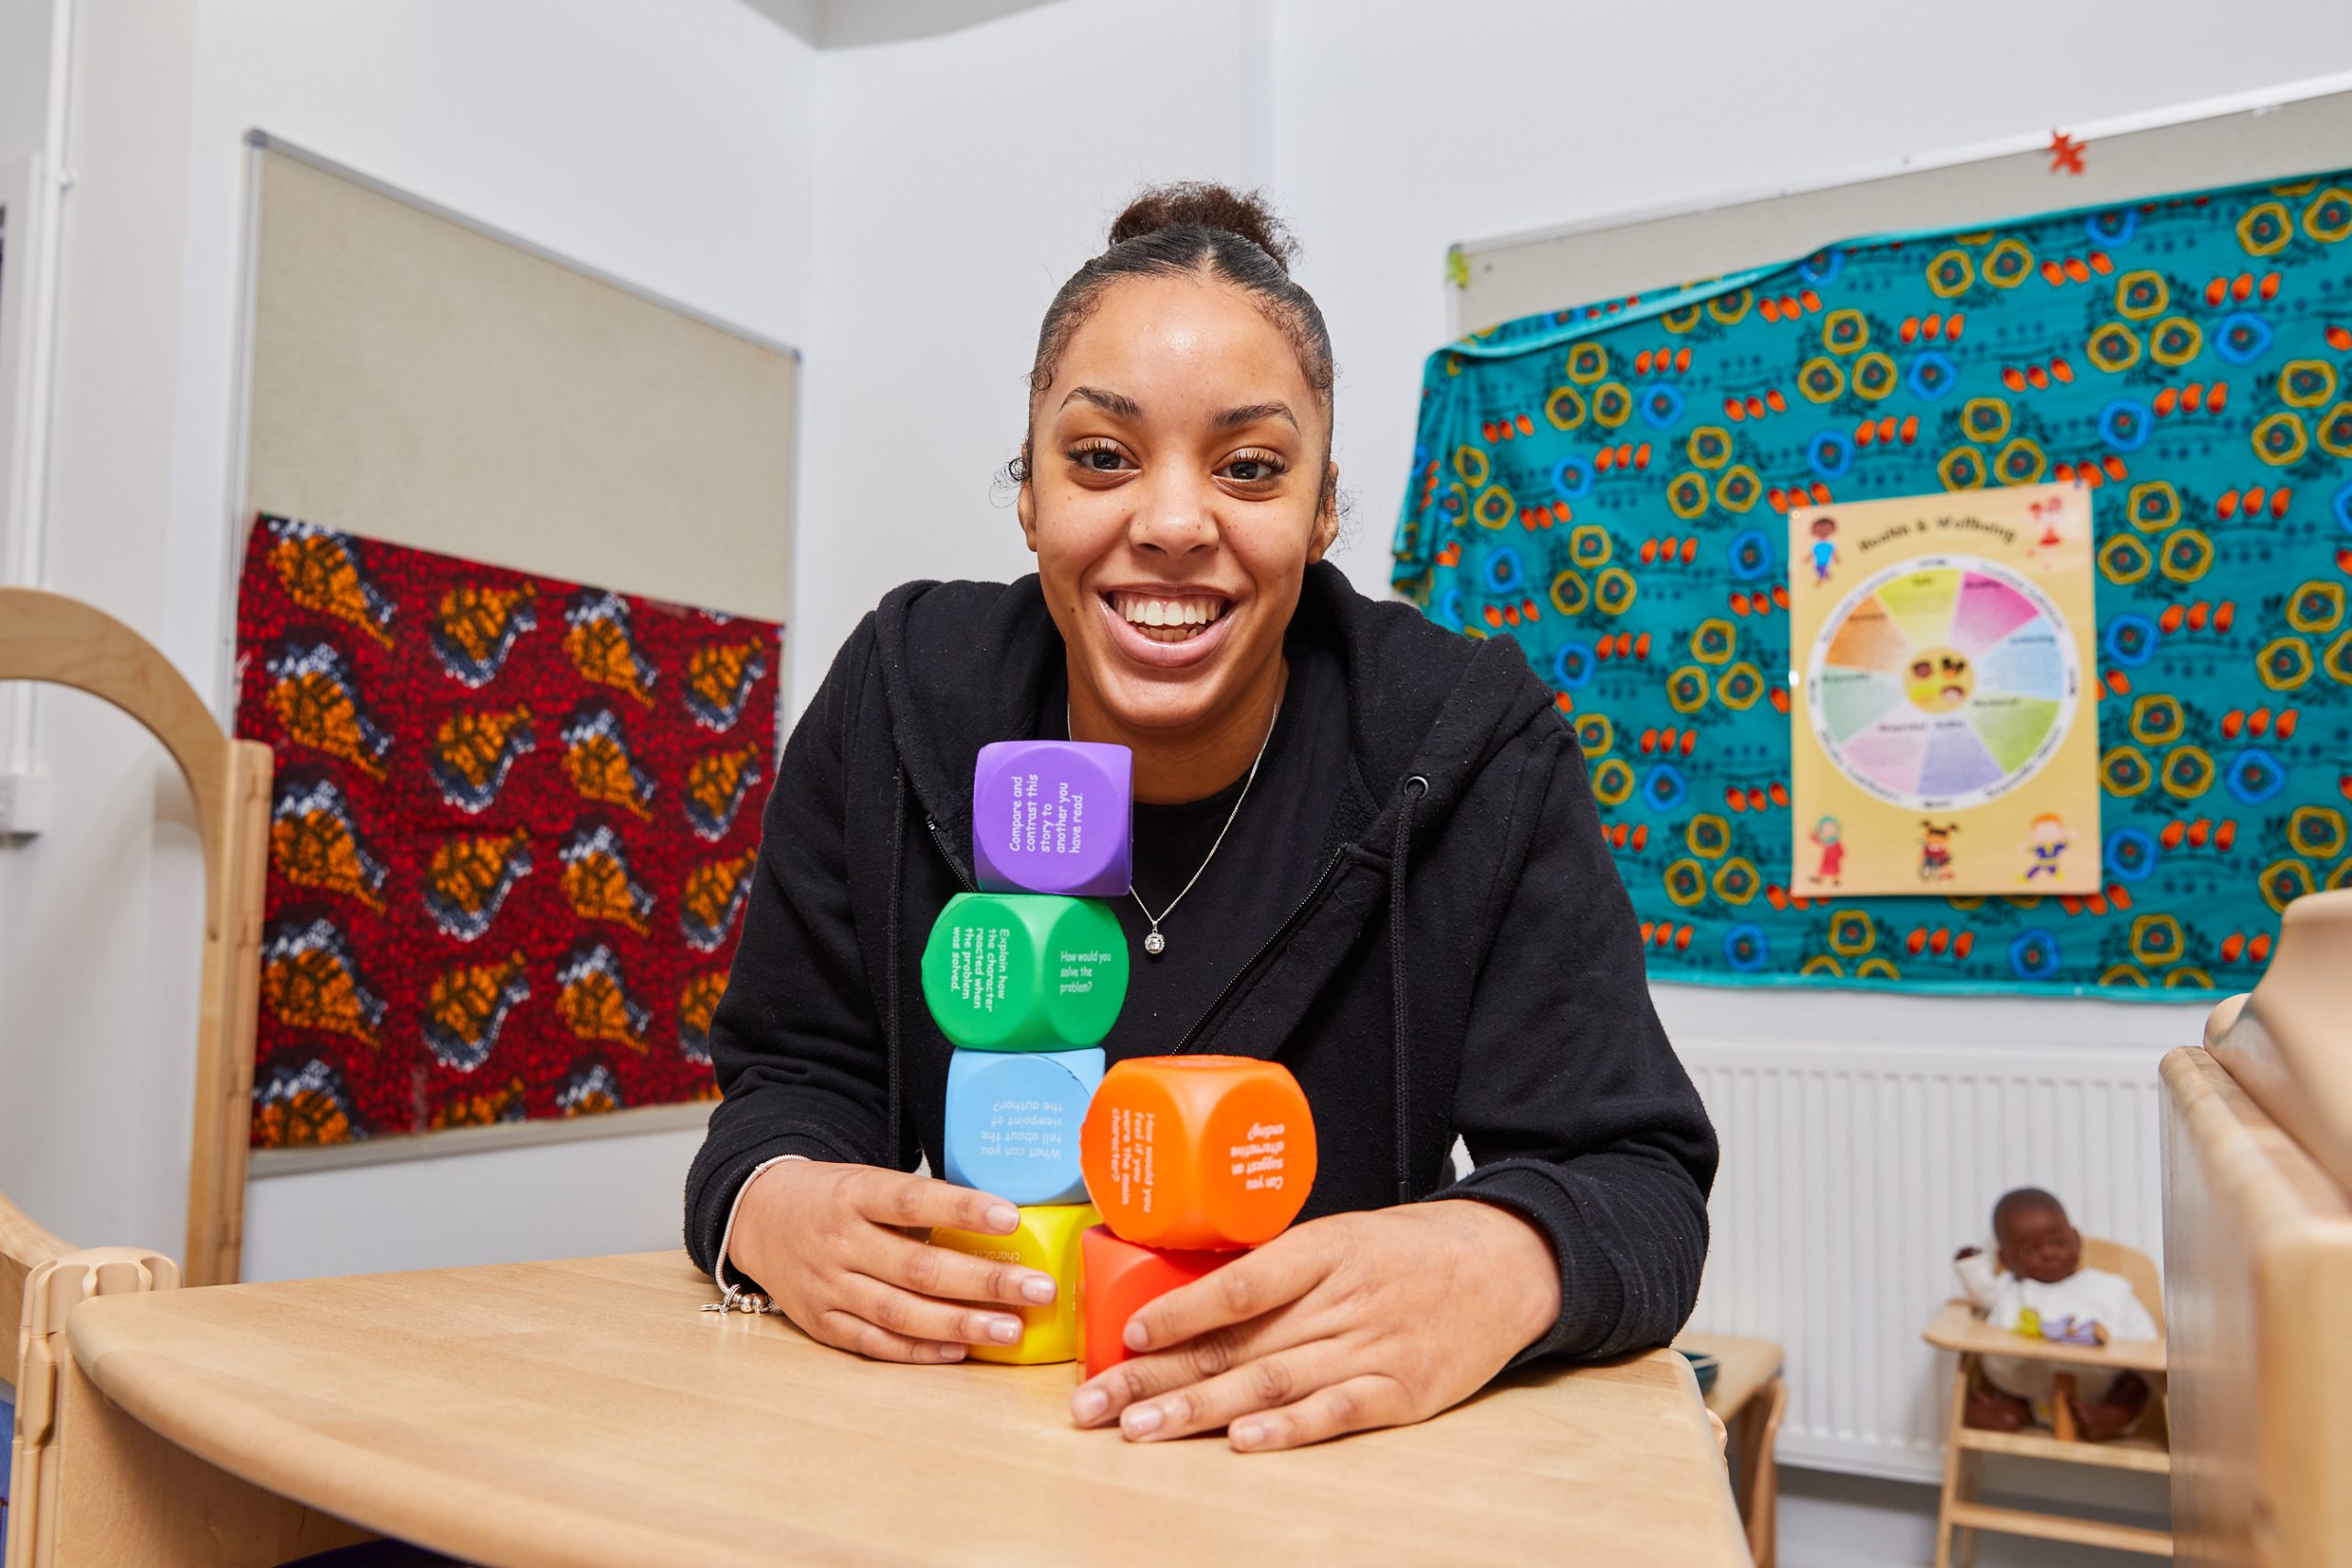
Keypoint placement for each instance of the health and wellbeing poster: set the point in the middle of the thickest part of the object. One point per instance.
(1944, 737)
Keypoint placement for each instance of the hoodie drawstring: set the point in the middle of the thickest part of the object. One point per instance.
(890, 959)
(1414, 788)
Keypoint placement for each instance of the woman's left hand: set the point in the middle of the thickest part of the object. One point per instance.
(1355, 1321)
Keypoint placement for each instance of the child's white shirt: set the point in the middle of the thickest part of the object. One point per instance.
(2086, 1296)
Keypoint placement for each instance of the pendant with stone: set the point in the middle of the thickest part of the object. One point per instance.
(1154, 944)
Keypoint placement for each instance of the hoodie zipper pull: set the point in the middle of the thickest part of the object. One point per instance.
(931, 824)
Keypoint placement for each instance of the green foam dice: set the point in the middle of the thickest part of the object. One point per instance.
(1024, 971)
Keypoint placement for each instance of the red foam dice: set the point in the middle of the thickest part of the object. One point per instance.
(1116, 1279)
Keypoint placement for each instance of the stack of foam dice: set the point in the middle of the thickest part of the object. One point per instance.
(1180, 1162)
(1025, 977)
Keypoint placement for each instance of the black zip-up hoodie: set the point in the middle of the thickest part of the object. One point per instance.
(1514, 1013)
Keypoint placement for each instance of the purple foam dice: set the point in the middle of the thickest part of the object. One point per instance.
(1054, 817)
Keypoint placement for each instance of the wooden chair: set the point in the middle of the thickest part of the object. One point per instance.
(42, 1278)
(2258, 1129)
(2147, 1447)
(1748, 1399)
(44, 637)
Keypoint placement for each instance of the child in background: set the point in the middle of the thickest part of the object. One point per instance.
(2042, 1272)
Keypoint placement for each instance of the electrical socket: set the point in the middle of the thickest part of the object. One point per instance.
(24, 804)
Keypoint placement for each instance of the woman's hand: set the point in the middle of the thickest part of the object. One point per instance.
(1355, 1321)
(826, 1243)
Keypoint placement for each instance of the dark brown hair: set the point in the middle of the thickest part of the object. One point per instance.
(1206, 230)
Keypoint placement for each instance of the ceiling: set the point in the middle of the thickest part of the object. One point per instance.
(847, 23)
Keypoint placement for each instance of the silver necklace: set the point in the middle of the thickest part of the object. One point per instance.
(1153, 943)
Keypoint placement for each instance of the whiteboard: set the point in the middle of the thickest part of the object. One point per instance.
(415, 377)
(2285, 131)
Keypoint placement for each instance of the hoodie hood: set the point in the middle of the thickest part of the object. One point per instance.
(1423, 703)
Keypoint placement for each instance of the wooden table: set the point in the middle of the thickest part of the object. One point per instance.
(585, 1413)
(1744, 1369)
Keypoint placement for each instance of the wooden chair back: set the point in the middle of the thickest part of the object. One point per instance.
(2258, 1259)
(2134, 1264)
(24, 1246)
(47, 636)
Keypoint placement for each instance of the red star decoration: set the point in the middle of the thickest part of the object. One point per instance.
(2066, 154)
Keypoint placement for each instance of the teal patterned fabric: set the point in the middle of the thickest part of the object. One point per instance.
(1607, 485)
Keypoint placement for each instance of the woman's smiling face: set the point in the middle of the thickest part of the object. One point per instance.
(1176, 493)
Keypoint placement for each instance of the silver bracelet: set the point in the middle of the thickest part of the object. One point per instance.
(733, 1297)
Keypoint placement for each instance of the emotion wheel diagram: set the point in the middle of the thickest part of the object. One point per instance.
(1942, 682)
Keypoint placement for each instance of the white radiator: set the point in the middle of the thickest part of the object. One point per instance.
(1851, 1172)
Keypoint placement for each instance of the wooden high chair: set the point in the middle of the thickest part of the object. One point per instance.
(46, 636)
(2146, 1448)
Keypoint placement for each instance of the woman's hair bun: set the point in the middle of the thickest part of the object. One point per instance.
(1198, 204)
(1195, 230)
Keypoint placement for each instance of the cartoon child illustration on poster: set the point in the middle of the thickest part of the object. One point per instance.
(1828, 834)
(1935, 851)
(2046, 842)
(1825, 548)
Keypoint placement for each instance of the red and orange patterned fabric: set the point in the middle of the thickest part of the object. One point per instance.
(510, 841)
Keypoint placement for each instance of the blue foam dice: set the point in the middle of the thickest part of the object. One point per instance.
(1012, 1122)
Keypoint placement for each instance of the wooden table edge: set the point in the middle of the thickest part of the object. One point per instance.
(451, 1513)
(424, 1506)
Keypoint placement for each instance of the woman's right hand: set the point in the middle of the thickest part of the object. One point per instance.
(828, 1243)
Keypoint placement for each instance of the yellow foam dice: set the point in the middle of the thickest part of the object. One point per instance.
(1045, 1240)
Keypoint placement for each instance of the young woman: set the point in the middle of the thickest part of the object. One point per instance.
(1364, 847)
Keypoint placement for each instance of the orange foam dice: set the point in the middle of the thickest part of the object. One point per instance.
(1116, 1280)
(1198, 1153)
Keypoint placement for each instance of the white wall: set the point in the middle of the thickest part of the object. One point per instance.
(1393, 128)
(97, 1000)
(963, 178)
(1494, 116)
(668, 143)
(960, 181)
(24, 75)
(1401, 126)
